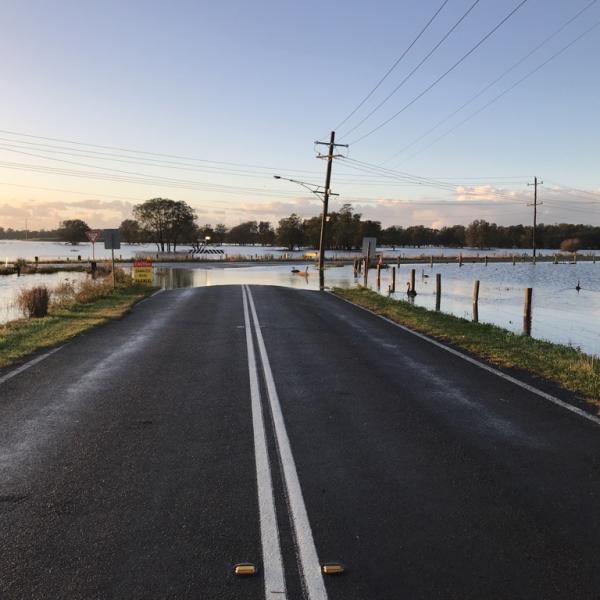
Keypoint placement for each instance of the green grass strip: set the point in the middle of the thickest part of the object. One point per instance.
(566, 366)
(22, 337)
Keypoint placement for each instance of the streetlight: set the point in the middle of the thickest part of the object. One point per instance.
(320, 193)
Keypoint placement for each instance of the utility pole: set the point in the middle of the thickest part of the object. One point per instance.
(329, 156)
(535, 205)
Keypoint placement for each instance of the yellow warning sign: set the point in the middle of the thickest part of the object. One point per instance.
(142, 271)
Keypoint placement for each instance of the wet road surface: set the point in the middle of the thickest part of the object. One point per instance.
(286, 428)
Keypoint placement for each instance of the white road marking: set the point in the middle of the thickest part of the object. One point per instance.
(477, 363)
(269, 534)
(29, 364)
(309, 561)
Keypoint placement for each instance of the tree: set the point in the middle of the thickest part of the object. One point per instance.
(290, 233)
(130, 231)
(311, 229)
(244, 233)
(266, 234)
(345, 228)
(220, 233)
(168, 222)
(570, 245)
(73, 231)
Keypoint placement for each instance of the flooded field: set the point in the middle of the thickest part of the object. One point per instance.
(10, 250)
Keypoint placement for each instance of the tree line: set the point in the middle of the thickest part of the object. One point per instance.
(169, 224)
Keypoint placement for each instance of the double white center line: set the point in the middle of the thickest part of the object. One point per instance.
(310, 570)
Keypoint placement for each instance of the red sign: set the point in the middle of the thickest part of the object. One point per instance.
(93, 235)
(142, 264)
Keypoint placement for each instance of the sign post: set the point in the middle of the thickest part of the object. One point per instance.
(112, 242)
(93, 235)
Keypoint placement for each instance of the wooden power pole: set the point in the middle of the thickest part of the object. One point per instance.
(535, 184)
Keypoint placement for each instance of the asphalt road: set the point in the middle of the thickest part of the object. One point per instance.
(286, 428)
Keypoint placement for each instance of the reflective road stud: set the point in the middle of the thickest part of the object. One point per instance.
(245, 569)
(333, 568)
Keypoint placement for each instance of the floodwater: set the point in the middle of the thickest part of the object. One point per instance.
(11, 284)
(560, 313)
(12, 249)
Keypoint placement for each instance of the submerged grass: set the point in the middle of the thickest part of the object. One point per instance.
(65, 321)
(566, 366)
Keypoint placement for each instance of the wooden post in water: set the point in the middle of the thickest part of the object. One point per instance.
(412, 280)
(398, 262)
(378, 275)
(431, 262)
(513, 260)
(438, 291)
(393, 286)
(486, 258)
(527, 312)
(476, 301)
(460, 260)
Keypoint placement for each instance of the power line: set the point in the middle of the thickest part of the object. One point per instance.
(490, 85)
(419, 65)
(445, 74)
(429, 22)
(403, 176)
(506, 91)
(133, 151)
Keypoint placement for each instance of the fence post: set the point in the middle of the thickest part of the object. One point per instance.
(365, 271)
(431, 262)
(476, 301)
(460, 260)
(486, 259)
(412, 280)
(378, 276)
(393, 288)
(438, 291)
(527, 312)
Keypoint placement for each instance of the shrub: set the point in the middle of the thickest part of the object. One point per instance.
(64, 293)
(33, 302)
(122, 278)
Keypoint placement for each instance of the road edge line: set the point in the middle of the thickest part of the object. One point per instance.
(530, 388)
(27, 365)
(305, 543)
(274, 577)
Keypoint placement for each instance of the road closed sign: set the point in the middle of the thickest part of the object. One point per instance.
(142, 271)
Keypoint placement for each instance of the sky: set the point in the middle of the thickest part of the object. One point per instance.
(107, 104)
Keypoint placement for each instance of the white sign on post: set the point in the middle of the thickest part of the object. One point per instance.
(369, 247)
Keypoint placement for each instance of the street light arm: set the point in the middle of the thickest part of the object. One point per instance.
(311, 187)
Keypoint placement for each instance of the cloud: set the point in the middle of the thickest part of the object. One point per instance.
(47, 215)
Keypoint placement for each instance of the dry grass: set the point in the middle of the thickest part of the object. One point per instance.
(33, 302)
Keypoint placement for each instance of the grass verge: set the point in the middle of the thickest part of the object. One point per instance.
(566, 366)
(22, 337)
